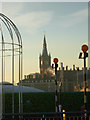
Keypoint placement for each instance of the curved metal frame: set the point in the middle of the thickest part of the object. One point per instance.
(16, 49)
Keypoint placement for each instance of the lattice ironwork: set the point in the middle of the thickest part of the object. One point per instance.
(11, 48)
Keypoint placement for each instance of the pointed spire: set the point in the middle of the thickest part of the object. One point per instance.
(49, 54)
(44, 46)
(44, 43)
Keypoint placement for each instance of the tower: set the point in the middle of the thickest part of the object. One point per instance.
(44, 60)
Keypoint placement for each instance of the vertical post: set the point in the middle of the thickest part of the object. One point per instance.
(2, 75)
(56, 99)
(3, 78)
(60, 97)
(13, 78)
(19, 85)
(21, 82)
(85, 98)
(62, 75)
(59, 92)
(84, 48)
(77, 78)
(55, 60)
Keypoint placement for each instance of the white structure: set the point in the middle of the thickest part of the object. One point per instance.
(25, 89)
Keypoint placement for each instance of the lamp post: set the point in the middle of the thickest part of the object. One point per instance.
(84, 48)
(55, 60)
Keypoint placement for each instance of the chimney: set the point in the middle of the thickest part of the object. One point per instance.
(25, 76)
(73, 67)
(66, 67)
(61, 65)
(78, 68)
(62, 68)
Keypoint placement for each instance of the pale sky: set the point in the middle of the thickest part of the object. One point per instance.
(44, 0)
(65, 25)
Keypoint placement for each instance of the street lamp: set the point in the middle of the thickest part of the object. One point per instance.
(84, 48)
(55, 60)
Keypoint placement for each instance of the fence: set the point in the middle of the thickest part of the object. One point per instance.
(48, 116)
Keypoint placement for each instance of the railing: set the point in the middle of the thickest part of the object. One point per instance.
(48, 116)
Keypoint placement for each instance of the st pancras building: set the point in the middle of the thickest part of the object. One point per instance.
(72, 79)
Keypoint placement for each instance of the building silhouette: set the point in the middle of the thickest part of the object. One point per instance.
(44, 60)
(72, 79)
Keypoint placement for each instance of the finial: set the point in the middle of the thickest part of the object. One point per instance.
(44, 40)
(49, 54)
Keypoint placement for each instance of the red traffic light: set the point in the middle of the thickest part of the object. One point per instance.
(55, 60)
(84, 48)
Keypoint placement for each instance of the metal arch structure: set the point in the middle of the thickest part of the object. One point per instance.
(14, 49)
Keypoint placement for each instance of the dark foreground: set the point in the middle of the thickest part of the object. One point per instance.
(49, 116)
(45, 102)
(41, 106)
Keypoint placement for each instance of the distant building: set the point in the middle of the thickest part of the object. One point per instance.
(32, 76)
(71, 79)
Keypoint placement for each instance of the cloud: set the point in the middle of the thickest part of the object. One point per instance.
(34, 20)
(75, 18)
(81, 13)
(11, 9)
(30, 21)
(0, 7)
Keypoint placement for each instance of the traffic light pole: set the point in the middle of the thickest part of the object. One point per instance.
(60, 96)
(56, 99)
(84, 48)
(85, 98)
(55, 60)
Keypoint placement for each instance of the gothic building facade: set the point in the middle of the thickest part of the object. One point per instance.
(44, 60)
(71, 79)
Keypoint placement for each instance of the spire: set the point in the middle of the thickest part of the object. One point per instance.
(49, 54)
(44, 41)
(44, 46)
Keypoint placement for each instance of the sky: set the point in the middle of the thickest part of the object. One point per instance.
(65, 25)
(44, 0)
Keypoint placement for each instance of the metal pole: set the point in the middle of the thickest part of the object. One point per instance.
(56, 99)
(19, 85)
(62, 75)
(4, 80)
(2, 72)
(60, 97)
(13, 78)
(77, 79)
(85, 98)
(60, 83)
(21, 82)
